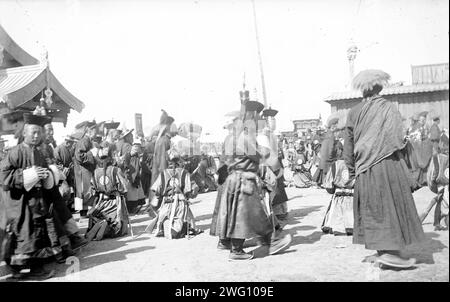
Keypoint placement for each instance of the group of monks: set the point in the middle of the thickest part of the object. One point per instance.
(111, 173)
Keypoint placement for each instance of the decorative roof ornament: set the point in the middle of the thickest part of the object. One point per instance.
(244, 94)
(44, 56)
(48, 97)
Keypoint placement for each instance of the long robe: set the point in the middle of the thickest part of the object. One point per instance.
(173, 188)
(135, 193)
(243, 212)
(327, 157)
(385, 215)
(84, 166)
(159, 163)
(110, 186)
(24, 212)
(64, 157)
(435, 136)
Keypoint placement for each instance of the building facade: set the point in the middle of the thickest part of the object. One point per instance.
(429, 92)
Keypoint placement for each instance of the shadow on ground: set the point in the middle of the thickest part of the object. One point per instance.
(424, 252)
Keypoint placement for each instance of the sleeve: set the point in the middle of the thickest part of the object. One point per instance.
(187, 182)
(83, 155)
(349, 145)
(10, 176)
(434, 133)
(122, 182)
(157, 186)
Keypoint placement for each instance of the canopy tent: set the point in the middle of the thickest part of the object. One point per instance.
(23, 81)
(11, 54)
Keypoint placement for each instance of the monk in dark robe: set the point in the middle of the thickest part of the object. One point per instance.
(243, 212)
(146, 172)
(327, 152)
(26, 199)
(135, 197)
(421, 147)
(162, 145)
(385, 216)
(84, 164)
(64, 154)
(435, 133)
(228, 149)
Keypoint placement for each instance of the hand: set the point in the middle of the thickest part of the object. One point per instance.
(42, 172)
(350, 183)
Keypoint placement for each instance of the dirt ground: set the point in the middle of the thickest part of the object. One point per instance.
(313, 255)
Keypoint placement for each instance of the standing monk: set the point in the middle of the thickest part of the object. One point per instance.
(435, 133)
(327, 152)
(166, 132)
(84, 164)
(26, 182)
(385, 216)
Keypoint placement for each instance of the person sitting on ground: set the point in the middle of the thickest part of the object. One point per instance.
(172, 191)
(108, 217)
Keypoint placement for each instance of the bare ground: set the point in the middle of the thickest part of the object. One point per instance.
(313, 255)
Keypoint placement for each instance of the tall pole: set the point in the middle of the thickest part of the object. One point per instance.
(259, 56)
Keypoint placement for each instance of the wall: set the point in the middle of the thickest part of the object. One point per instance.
(409, 104)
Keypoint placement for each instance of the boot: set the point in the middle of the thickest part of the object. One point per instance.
(237, 252)
(393, 259)
(280, 244)
(77, 241)
(224, 244)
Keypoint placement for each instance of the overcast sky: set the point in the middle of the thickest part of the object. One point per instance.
(189, 57)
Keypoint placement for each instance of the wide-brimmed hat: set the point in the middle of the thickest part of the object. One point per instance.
(126, 133)
(269, 112)
(70, 138)
(367, 79)
(254, 106)
(88, 124)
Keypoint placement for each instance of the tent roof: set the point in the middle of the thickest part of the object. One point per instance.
(21, 84)
(14, 50)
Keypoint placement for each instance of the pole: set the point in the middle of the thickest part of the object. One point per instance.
(259, 56)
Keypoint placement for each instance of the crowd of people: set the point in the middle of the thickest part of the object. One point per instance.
(370, 167)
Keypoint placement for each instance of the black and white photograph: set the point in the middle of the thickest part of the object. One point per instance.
(223, 142)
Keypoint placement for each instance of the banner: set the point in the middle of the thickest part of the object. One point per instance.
(138, 123)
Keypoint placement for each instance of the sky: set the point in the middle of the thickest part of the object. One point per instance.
(189, 57)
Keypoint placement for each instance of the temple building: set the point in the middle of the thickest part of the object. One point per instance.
(26, 83)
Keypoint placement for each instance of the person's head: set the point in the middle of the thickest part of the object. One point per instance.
(33, 133)
(422, 120)
(128, 138)
(113, 135)
(92, 132)
(48, 131)
(436, 120)
(69, 142)
(136, 148)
